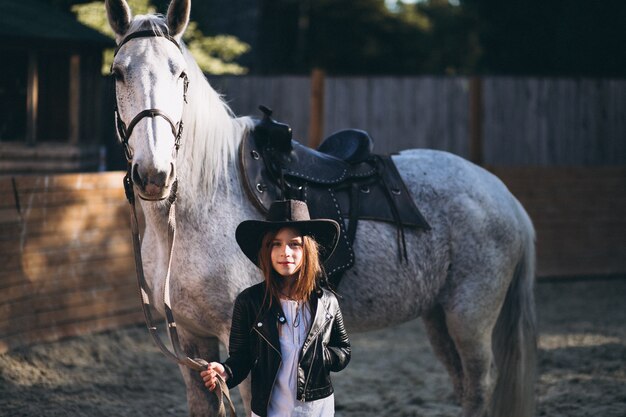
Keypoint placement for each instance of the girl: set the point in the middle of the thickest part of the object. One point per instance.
(288, 330)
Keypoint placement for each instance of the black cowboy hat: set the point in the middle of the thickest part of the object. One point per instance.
(287, 213)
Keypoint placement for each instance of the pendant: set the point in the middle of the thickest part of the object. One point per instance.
(296, 320)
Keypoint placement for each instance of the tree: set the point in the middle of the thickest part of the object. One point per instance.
(215, 55)
(452, 38)
(555, 37)
(366, 37)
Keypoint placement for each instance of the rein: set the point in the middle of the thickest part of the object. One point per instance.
(178, 356)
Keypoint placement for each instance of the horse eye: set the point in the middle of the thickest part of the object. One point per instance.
(116, 74)
(183, 75)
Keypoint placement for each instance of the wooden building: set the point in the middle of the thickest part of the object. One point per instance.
(51, 90)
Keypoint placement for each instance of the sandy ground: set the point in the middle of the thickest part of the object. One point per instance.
(393, 373)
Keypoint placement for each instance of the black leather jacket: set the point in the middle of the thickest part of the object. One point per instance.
(254, 346)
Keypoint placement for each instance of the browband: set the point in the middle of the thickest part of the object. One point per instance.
(149, 33)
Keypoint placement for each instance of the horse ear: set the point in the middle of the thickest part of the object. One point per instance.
(119, 16)
(178, 16)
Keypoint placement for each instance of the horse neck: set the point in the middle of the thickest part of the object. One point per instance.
(211, 138)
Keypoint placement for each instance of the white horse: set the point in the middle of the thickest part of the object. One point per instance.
(470, 278)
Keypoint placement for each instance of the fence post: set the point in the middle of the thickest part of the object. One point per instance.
(316, 123)
(476, 120)
(32, 98)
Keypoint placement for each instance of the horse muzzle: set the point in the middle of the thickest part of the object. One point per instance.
(153, 184)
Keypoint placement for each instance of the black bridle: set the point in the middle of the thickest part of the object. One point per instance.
(125, 131)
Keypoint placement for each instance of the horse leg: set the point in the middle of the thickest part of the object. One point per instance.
(200, 400)
(493, 328)
(245, 390)
(472, 339)
(443, 345)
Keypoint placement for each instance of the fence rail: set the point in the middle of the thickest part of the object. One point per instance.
(67, 258)
(524, 121)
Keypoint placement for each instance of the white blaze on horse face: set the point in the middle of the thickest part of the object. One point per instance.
(149, 75)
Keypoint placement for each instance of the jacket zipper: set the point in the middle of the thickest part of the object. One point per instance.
(280, 362)
(320, 329)
(310, 369)
(268, 342)
(269, 398)
(314, 352)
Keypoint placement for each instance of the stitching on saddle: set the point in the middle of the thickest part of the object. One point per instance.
(343, 235)
(341, 178)
(298, 174)
(365, 174)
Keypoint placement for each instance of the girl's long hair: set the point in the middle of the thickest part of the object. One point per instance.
(306, 280)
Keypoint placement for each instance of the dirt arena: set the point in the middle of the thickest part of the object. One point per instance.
(582, 372)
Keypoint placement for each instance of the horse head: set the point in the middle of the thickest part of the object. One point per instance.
(151, 81)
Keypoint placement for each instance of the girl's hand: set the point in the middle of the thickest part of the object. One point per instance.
(209, 376)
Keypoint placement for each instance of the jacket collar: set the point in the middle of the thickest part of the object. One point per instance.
(270, 318)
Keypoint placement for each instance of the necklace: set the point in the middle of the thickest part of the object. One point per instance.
(298, 316)
(287, 297)
(296, 319)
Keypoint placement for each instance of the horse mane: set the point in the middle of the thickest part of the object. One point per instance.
(211, 132)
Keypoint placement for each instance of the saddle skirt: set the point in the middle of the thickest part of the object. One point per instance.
(359, 185)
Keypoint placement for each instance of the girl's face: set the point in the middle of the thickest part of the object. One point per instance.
(287, 252)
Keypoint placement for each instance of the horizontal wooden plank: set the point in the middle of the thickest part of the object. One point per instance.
(48, 319)
(38, 303)
(67, 227)
(93, 325)
(57, 242)
(33, 258)
(106, 207)
(66, 277)
(56, 318)
(46, 150)
(32, 199)
(47, 166)
(77, 181)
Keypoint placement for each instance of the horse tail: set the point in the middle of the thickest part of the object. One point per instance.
(515, 339)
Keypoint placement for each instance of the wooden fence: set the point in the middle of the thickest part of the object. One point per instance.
(67, 263)
(68, 269)
(578, 213)
(518, 121)
(66, 257)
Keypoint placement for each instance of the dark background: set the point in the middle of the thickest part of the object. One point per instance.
(530, 37)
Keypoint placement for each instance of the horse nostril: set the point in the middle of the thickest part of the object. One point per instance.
(136, 177)
(158, 178)
(150, 180)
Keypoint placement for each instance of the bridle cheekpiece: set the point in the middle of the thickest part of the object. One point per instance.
(125, 131)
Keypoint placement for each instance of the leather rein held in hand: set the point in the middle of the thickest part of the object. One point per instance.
(178, 356)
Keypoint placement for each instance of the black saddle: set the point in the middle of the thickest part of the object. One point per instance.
(341, 180)
(349, 145)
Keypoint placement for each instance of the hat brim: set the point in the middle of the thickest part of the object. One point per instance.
(250, 233)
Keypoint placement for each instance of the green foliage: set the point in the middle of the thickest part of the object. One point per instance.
(454, 46)
(430, 36)
(215, 55)
(93, 14)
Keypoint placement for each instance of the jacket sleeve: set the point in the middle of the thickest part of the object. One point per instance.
(337, 353)
(240, 345)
